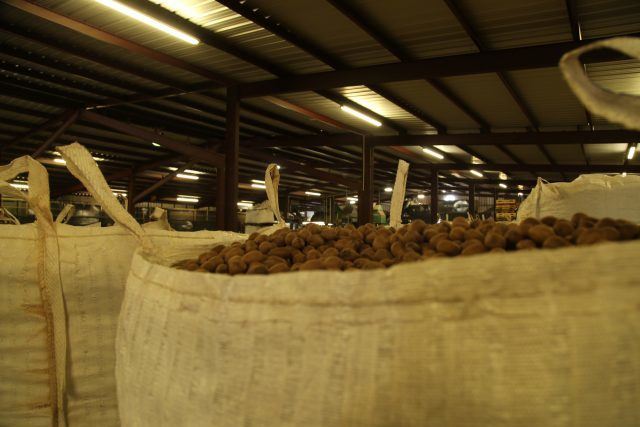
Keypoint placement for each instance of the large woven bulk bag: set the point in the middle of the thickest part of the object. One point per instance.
(596, 195)
(545, 338)
(61, 288)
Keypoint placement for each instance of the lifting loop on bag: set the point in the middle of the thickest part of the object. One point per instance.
(619, 108)
(271, 181)
(397, 197)
(82, 165)
(50, 287)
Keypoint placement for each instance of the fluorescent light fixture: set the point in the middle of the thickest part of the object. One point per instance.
(190, 171)
(20, 186)
(245, 205)
(117, 190)
(476, 173)
(421, 196)
(98, 159)
(632, 152)
(624, 174)
(61, 161)
(501, 185)
(257, 181)
(146, 19)
(278, 166)
(388, 190)
(312, 193)
(187, 199)
(155, 144)
(520, 187)
(520, 194)
(352, 202)
(260, 186)
(449, 198)
(361, 116)
(503, 176)
(433, 153)
(475, 160)
(246, 201)
(186, 176)
(313, 222)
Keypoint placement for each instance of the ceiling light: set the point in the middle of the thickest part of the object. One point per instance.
(146, 19)
(186, 176)
(520, 187)
(245, 205)
(20, 186)
(278, 166)
(361, 116)
(155, 144)
(420, 196)
(520, 194)
(117, 190)
(388, 190)
(261, 186)
(433, 153)
(632, 152)
(98, 159)
(476, 173)
(312, 193)
(257, 181)
(187, 199)
(624, 174)
(61, 161)
(501, 185)
(475, 160)
(449, 198)
(191, 171)
(503, 176)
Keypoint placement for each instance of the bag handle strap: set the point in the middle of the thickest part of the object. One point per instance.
(65, 214)
(397, 197)
(82, 165)
(271, 181)
(37, 197)
(619, 108)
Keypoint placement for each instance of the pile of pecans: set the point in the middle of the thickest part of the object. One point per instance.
(370, 247)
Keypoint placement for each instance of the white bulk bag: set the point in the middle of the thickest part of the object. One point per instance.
(596, 195)
(61, 289)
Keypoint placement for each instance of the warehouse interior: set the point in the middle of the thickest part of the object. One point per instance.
(334, 92)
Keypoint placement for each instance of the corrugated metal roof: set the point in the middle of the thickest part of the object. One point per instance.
(486, 94)
(504, 24)
(604, 18)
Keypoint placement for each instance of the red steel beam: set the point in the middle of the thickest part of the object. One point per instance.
(71, 118)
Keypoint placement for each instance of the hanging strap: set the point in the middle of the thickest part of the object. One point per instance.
(619, 108)
(65, 214)
(82, 165)
(48, 273)
(397, 197)
(6, 215)
(271, 181)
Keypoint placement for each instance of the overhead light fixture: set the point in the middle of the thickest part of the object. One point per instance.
(388, 190)
(257, 181)
(520, 194)
(98, 159)
(117, 190)
(187, 176)
(475, 160)
(245, 205)
(501, 185)
(187, 199)
(20, 185)
(278, 166)
(59, 160)
(624, 174)
(361, 116)
(503, 176)
(476, 173)
(520, 187)
(449, 198)
(260, 186)
(146, 19)
(433, 153)
(312, 193)
(421, 196)
(190, 171)
(155, 144)
(631, 152)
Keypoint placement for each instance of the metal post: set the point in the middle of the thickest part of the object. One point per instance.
(232, 149)
(472, 199)
(365, 198)
(434, 196)
(220, 215)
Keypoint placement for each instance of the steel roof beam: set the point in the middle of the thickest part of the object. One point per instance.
(507, 167)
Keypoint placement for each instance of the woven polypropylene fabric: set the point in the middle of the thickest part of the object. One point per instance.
(543, 338)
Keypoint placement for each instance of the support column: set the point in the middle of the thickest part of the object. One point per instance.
(232, 150)
(131, 194)
(365, 197)
(434, 196)
(472, 199)
(220, 214)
